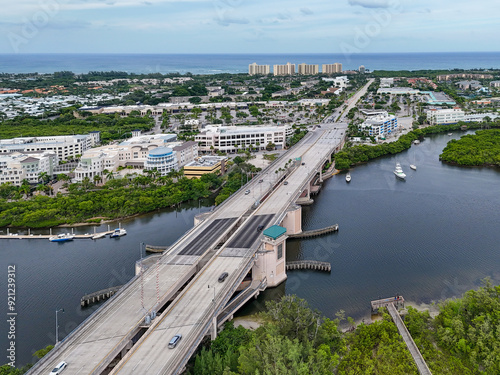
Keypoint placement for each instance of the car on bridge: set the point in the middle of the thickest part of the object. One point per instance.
(223, 277)
(59, 368)
(175, 340)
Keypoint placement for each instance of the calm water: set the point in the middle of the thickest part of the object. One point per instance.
(238, 63)
(431, 237)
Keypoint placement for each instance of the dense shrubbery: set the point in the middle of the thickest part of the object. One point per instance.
(482, 148)
(464, 339)
(117, 198)
(111, 126)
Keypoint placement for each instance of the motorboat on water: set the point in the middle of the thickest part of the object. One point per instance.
(413, 166)
(63, 237)
(118, 233)
(98, 235)
(416, 142)
(450, 134)
(348, 177)
(399, 172)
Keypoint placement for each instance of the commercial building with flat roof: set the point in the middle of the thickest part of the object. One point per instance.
(231, 138)
(380, 125)
(204, 165)
(398, 91)
(161, 159)
(445, 116)
(17, 166)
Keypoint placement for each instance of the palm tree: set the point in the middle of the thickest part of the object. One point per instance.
(97, 179)
(44, 177)
(25, 188)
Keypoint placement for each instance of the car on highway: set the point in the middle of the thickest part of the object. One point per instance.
(261, 181)
(260, 228)
(59, 368)
(247, 192)
(303, 163)
(175, 340)
(285, 183)
(223, 276)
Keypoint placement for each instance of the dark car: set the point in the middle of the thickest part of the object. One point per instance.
(260, 228)
(223, 277)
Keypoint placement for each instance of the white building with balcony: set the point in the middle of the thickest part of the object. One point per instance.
(16, 167)
(445, 116)
(380, 125)
(231, 138)
(162, 159)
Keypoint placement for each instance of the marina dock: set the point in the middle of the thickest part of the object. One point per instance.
(47, 236)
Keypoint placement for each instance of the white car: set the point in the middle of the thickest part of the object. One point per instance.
(59, 368)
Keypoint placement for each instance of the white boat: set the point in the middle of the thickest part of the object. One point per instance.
(348, 177)
(416, 142)
(118, 233)
(450, 133)
(62, 237)
(98, 235)
(399, 172)
(413, 166)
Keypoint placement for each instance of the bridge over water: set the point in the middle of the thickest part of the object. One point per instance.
(180, 290)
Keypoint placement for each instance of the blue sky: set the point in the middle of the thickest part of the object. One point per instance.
(248, 26)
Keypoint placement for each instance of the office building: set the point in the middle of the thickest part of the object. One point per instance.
(445, 116)
(231, 138)
(380, 125)
(254, 69)
(308, 69)
(284, 70)
(17, 166)
(204, 165)
(161, 159)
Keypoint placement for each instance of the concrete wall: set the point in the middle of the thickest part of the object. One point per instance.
(293, 220)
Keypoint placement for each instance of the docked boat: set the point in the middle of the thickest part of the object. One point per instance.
(118, 233)
(399, 172)
(416, 142)
(450, 134)
(348, 177)
(64, 237)
(98, 235)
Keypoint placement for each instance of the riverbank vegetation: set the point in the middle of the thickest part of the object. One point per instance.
(482, 148)
(294, 339)
(89, 201)
(352, 155)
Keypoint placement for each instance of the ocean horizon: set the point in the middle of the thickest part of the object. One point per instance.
(238, 63)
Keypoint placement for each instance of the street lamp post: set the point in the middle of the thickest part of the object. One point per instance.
(57, 325)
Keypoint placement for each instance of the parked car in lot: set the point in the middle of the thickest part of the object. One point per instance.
(175, 340)
(223, 276)
(59, 368)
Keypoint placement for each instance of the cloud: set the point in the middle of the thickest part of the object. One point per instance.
(306, 11)
(370, 3)
(226, 21)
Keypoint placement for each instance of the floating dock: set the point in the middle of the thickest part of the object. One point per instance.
(47, 236)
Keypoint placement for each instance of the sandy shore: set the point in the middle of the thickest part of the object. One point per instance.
(248, 322)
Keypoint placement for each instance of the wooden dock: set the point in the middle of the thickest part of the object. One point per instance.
(390, 304)
(309, 265)
(99, 295)
(315, 232)
(17, 236)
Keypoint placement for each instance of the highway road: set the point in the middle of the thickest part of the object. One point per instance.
(89, 349)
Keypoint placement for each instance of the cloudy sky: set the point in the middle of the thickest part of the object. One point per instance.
(248, 26)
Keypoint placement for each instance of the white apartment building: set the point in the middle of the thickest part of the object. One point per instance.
(284, 70)
(380, 125)
(135, 153)
(331, 68)
(231, 138)
(479, 117)
(308, 69)
(162, 159)
(254, 69)
(64, 146)
(16, 167)
(445, 116)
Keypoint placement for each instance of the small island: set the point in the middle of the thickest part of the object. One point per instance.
(480, 149)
